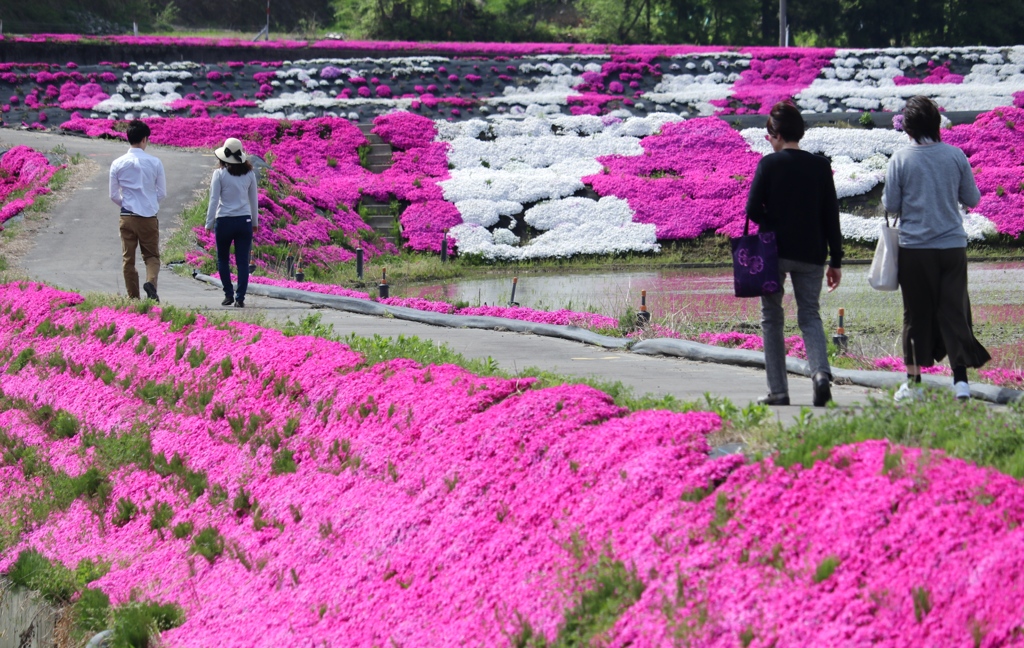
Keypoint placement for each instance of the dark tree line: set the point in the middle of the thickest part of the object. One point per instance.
(117, 16)
(849, 23)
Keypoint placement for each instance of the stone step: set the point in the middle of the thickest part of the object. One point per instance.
(380, 222)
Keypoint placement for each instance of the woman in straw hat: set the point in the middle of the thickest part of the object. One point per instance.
(234, 216)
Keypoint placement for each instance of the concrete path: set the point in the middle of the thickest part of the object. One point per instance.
(79, 249)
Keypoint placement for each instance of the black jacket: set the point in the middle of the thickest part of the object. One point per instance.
(793, 195)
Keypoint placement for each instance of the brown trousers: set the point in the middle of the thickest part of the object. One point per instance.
(937, 309)
(144, 233)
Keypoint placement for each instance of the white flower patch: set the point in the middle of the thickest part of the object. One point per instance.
(163, 88)
(510, 162)
(863, 80)
(854, 178)
(696, 90)
(857, 144)
(504, 236)
(521, 185)
(448, 131)
(965, 96)
(623, 124)
(543, 151)
(579, 211)
(578, 226)
(486, 212)
(318, 99)
(859, 228)
(156, 101)
(642, 126)
(160, 75)
(548, 90)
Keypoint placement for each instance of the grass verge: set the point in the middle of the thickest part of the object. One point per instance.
(971, 430)
(183, 240)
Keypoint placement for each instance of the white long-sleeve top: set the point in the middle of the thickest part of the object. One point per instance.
(137, 182)
(231, 196)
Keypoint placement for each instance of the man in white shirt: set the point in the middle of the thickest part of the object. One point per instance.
(137, 185)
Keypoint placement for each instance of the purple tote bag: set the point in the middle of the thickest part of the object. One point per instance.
(755, 263)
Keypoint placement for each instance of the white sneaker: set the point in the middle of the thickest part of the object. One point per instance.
(906, 392)
(962, 390)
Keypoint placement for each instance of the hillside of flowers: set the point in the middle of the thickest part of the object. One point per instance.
(284, 487)
(518, 152)
(458, 81)
(24, 174)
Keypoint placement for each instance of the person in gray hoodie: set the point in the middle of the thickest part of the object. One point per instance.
(233, 214)
(925, 184)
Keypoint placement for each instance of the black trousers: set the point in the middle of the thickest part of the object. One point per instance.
(937, 309)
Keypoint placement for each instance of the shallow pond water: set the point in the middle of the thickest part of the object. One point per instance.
(697, 300)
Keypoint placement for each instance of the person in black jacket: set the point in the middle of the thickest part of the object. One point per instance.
(793, 195)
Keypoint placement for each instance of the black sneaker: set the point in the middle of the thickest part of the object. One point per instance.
(774, 399)
(822, 389)
(239, 303)
(150, 291)
(228, 301)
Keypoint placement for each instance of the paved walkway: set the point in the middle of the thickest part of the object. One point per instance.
(79, 249)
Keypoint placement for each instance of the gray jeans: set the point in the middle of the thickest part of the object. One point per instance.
(806, 278)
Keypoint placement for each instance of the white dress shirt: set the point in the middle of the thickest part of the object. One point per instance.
(232, 196)
(137, 182)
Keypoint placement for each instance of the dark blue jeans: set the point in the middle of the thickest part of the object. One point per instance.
(237, 230)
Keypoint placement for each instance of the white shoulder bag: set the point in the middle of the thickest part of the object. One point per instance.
(883, 272)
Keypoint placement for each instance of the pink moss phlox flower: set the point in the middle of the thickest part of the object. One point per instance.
(325, 289)
(994, 145)
(892, 363)
(794, 344)
(693, 177)
(432, 506)
(775, 74)
(24, 174)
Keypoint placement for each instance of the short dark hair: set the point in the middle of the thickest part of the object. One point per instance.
(236, 168)
(137, 131)
(786, 121)
(921, 119)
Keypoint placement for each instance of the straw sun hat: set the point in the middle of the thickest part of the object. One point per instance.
(231, 152)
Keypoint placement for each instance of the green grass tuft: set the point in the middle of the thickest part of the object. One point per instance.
(971, 430)
(825, 569)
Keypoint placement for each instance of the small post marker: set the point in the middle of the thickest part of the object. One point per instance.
(512, 300)
(359, 263)
(444, 249)
(290, 265)
(840, 339)
(643, 317)
(382, 290)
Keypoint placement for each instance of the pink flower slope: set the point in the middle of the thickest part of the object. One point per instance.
(428, 506)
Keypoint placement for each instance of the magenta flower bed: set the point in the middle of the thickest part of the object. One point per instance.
(418, 165)
(324, 289)
(794, 344)
(26, 172)
(427, 506)
(775, 74)
(693, 177)
(560, 317)
(994, 145)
